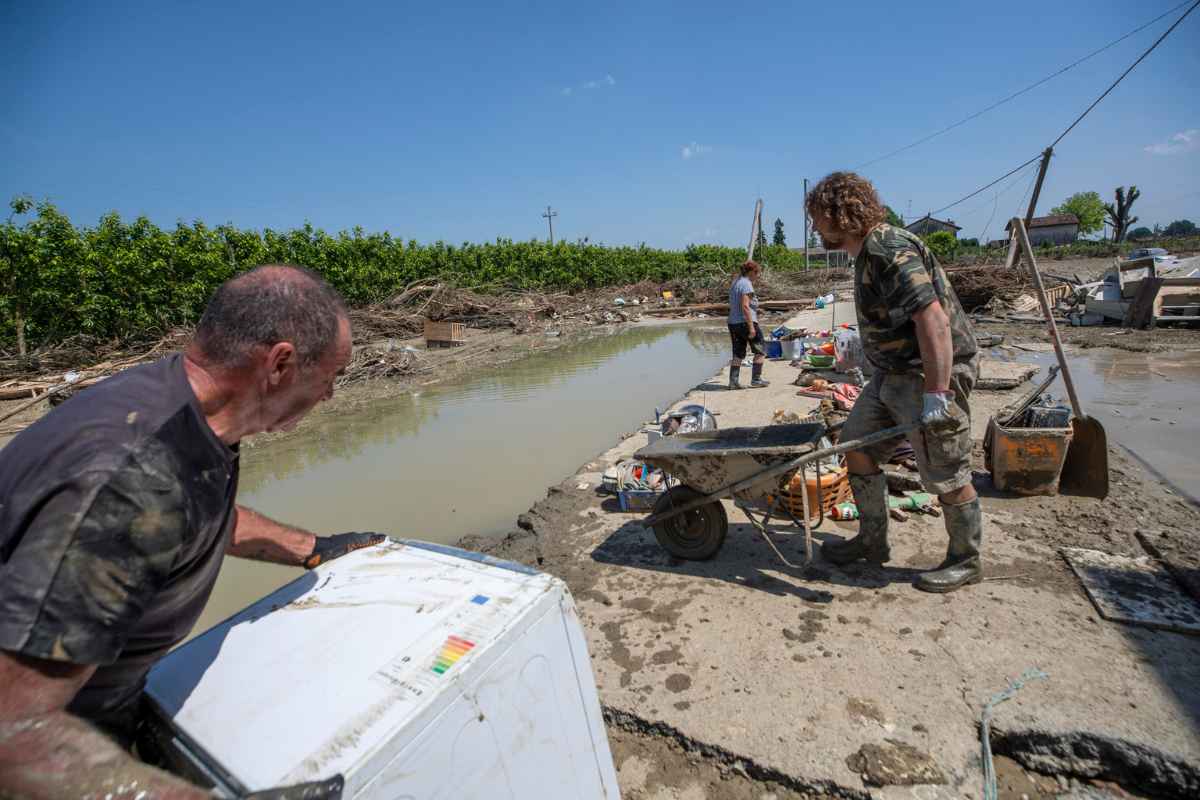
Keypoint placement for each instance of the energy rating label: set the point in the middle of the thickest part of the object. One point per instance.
(455, 648)
(474, 623)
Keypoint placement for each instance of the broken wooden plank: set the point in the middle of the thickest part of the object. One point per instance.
(1140, 313)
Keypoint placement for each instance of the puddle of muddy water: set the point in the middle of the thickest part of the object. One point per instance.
(1146, 403)
(465, 457)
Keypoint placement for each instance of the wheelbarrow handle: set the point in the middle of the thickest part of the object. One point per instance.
(858, 444)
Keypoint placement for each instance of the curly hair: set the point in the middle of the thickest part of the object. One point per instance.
(849, 201)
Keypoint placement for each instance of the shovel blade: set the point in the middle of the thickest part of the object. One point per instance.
(1085, 471)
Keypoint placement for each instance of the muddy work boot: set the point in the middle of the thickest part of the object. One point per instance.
(756, 378)
(735, 374)
(871, 543)
(964, 523)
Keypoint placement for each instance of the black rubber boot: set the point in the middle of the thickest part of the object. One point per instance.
(756, 378)
(735, 374)
(964, 523)
(871, 543)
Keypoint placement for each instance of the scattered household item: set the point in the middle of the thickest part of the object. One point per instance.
(1085, 471)
(1028, 400)
(821, 302)
(444, 334)
(820, 361)
(401, 667)
(639, 485)
(620, 301)
(773, 349)
(1046, 413)
(1024, 460)
(1137, 590)
(668, 296)
(826, 489)
(688, 419)
(917, 501)
(848, 350)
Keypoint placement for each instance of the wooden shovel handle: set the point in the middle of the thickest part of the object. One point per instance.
(1023, 237)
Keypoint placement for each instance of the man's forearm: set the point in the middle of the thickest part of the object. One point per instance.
(937, 346)
(56, 755)
(263, 539)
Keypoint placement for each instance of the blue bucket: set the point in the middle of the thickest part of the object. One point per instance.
(774, 349)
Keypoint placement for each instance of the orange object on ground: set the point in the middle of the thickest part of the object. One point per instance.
(827, 348)
(835, 488)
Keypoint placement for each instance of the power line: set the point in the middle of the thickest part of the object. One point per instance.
(1031, 87)
(1126, 72)
(1079, 119)
(1008, 174)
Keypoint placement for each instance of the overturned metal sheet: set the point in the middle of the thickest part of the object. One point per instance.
(1134, 590)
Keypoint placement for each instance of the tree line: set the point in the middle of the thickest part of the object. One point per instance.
(122, 279)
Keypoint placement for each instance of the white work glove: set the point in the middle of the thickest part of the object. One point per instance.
(937, 410)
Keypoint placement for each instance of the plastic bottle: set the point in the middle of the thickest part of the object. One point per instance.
(844, 511)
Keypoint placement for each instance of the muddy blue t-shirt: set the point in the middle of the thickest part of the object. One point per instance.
(115, 512)
(742, 287)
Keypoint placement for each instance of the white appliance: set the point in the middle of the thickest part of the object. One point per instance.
(411, 669)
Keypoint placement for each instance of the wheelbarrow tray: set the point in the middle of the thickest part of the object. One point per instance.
(709, 461)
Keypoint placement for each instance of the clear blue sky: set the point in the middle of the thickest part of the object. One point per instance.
(655, 122)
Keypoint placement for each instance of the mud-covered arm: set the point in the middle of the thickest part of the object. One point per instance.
(47, 753)
(937, 346)
(261, 538)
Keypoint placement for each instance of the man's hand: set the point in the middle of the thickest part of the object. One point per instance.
(937, 412)
(328, 548)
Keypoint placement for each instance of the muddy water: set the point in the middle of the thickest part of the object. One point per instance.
(465, 457)
(1147, 402)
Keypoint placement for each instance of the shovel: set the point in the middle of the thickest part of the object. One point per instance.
(1085, 471)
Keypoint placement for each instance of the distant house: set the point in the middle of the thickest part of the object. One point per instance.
(1054, 229)
(927, 225)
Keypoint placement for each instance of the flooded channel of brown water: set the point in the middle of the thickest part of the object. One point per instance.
(1147, 402)
(465, 457)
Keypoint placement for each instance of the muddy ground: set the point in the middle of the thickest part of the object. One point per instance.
(742, 660)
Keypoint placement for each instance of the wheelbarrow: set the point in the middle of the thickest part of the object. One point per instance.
(749, 465)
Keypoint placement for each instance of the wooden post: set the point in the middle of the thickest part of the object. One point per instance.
(755, 227)
(806, 265)
(19, 321)
(1037, 191)
(1037, 187)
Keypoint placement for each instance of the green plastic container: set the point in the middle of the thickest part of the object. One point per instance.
(821, 361)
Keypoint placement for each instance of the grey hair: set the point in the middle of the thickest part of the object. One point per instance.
(270, 304)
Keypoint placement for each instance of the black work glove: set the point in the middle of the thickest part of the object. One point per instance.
(328, 789)
(328, 548)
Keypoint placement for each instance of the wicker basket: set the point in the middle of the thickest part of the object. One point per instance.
(835, 488)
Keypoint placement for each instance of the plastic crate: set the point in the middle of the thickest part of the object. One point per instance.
(773, 349)
(638, 499)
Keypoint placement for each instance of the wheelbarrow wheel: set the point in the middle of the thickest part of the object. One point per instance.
(694, 535)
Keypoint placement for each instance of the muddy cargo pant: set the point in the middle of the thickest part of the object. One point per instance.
(895, 398)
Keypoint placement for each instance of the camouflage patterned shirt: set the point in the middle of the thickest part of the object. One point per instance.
(115, 512)
(895, 276)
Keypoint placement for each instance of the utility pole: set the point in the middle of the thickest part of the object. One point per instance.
(806, 223)
(550, 215)
(1037, 190)
(1037, 187)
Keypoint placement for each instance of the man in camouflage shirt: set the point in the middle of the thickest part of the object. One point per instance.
(916, 336)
